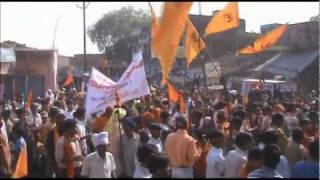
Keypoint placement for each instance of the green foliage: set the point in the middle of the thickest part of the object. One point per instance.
(113, 30)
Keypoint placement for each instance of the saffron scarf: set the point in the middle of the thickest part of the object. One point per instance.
(68, 155)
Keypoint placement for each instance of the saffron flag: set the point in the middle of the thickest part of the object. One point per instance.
(265, 41)
(172, 93)
(193, 42)
(69, 79)
(154, 22)
(227, 18)
(183, 106)
(22, 163)
(175, 96)
(167, 38)
(29, 100)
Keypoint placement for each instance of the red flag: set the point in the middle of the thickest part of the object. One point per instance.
(118, 100)
(29, 100)
(69, 79)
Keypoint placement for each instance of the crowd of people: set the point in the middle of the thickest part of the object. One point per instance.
(218, 137)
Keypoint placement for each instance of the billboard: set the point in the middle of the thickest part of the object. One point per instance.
(213, 71)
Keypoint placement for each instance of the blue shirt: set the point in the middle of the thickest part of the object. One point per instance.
(305, 169)
(18, 145)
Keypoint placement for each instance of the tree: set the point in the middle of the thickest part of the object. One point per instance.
(11, 44)
(113, 31)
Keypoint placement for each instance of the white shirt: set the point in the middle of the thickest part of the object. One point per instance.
(82, 131)
(3, 131)
(233, 162)
(291, 121)
(283, 167)
(157, 143)
(266, 122)
(68, 114)
(34, 121)
(51, 96)
(215, 163)
(95, 167)
(141, 172)
(174, 116)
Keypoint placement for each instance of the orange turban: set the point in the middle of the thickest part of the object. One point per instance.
(147, 118)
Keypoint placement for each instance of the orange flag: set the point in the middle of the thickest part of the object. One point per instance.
(69, 79)
(166, 40)
(154, 22)
(29, 100)
(22, 164)
(227, 18)
(193, 42)
(265, 41)
(183, 106)
(175, 96)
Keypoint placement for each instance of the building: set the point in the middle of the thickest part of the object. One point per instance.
(63, 62)
(34, 70)
(298, 63)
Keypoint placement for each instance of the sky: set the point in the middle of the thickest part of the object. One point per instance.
(33, 23)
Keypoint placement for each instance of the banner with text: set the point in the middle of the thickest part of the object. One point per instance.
(102, 90)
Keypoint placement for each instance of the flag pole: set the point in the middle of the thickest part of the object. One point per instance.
(121, 155)
(202, 59)
(208, 53)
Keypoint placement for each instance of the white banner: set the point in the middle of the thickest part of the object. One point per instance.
(101, 90)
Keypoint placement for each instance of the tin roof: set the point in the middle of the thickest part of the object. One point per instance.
(289, 64)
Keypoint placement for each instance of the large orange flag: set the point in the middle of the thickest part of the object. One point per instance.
(69, 79)
(193, 42)
(154, 22)
(167, 38)
(265, 41)
(227, 18)
(22, 164)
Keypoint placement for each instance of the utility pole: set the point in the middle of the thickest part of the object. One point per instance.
(202, 58)
(84, 6)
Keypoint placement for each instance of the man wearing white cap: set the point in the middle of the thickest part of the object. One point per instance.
(99, 164)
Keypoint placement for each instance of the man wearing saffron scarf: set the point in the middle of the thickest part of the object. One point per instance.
(68, 151)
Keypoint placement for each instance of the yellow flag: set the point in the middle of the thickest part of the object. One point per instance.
(167, 38)
(193, 42)
(225, 19)
(265, 41)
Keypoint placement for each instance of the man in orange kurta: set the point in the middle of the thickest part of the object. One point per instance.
(182, 150)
